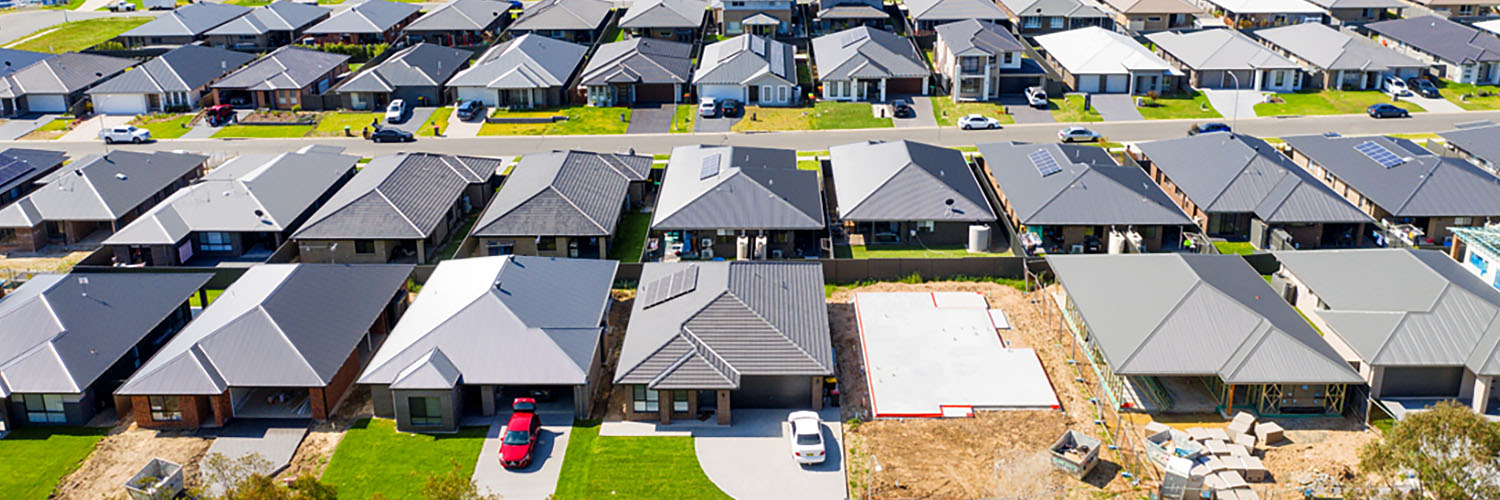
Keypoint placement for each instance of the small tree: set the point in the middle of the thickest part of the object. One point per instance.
(453, 485)
(1453, 451)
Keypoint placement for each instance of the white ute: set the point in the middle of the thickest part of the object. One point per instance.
(127, 133)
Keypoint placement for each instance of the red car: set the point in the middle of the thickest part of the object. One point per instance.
(520, 434)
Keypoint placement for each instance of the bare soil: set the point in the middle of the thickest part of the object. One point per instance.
(324, 437)
(609, 403)
(123, 452)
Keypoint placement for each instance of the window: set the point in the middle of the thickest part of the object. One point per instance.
(1463, 221)
(1056, 23)
(1280, 78)
(680, 401)
(1466, 10)
(767, 93)
(425, 411)
(782, 92)
(644, 399)
(925, 226)
(1154, 19)
(1033, 22)
(732, 27)
(164, 409)
(364, 246)
(546, 243)
(497, 248)
(971, 64)
(7, 235)
(1010, 58)
(214, 242)
(44, 408)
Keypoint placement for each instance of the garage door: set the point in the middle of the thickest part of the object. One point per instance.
(47, 103)
(772, 392)
(722, 92)
(1117, 84)
(654, 92)
(901, 86)
(1089, 83)
(1016, 85)
(120, 104)
(487, 96)
(1421, 382)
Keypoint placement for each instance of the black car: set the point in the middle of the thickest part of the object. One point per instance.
(1423, 87)
(1387, 110)
(903, 110)
(470, 110)
(1204, 128)
(392, 135)
(731, 108)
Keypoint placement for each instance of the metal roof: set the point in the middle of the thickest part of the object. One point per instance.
(746, 58)
(563, 15)
(664, 14)
(461, 15)
(1424, 185)
(1483, 142)
(189, 20)
(846, 11)
(938, 10)
(1095, 50)
(420, 65)
(276, 16)
(183, 69)
(1359, 4)
(527, 61)
(287, 68)
(1073, 9)
(62, 74)
(12, 60)
(21, 165)
(1330, 49)
(985, 36)
(371, 17)
(1091, 189)
(639, 60)
(865, 52)
(1152, 6)
(100, 188)
(401, 196)
(1205, 315)
(1267, 6)
(562, 193)
(905, 181)
(1224, 49)
(751, 188)
(1447, 40)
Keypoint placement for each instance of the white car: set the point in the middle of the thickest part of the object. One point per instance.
(1393, 85)
(126, 133)
(122, 6)
(396, 112)
(807, 437)
(1076, 133)
(1036, 97)
(976, 121)
(708, 107)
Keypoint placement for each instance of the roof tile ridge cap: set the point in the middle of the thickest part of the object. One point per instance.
(398, 211)
(730, 292)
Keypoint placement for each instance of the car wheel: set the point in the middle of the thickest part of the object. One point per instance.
(109, 140)
(135, 140)
(993, 126)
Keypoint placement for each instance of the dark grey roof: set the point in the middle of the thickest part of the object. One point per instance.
(20, 165)
(62, 74)
(904, 181)
(282, 15)
(1233, 173)
(1091, 189)
(563, 15)
(286, 68)
(745, 58)
(58, 335)
(524, 62)
(664, 14)
(734, 319)
(100, 188)
(189, 20)
(1482, 142)
(183, 69)
(985, 36)
(1072, 9)
(1331, 49)
(1205, 315)
(461, 15)
(1424, 185)
(501, 320)
(939, 10)
(737, 187)
(865, 52)
(563, 193)
(279, 325)
(639, 60)
(403, 196)
(420, 65)
(1209, 50)
(12, 60)
(371, 17)
(1440, 37)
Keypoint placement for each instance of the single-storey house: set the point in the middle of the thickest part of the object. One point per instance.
(415, 74)
(926, 15)
(460, 23)
(183, 25)
(867, 64)
(577, 21)
(1358, 11)
(714, 335)
(1227, 59)
(1248, 14)
(374, 21)
(267, 27)
(1478, 144)
(22, 171)
(1459, 8)
(749, 68)
(1336, 60)
(1454, 51)
(737, 201)
(677, 20)
(767, 18)
(1039, 17)
(1152, 15)
(562, 204)
(644, 70)
(57, 84)
(528, 71)
(172, 82)
(839, 15)
(282, 79)
(1097, 60)
(981, 61)
(906, 193)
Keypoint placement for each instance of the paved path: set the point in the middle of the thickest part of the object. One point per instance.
(460, 128)
(274, 440)
(1232, 103)
(414, 122)
(535, 482)
(1022, 112)
(1438, 105)
(15, 128)
(201, 131)
(88, 130)
(923, 106)
(751, 460)
(715, 125)
(1115, 107)
(651, 119)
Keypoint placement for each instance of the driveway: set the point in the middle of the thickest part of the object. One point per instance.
(1116, 107)
(923, 106)
(1232, 104)
(275, 440)
(1438, 105)
(14, 128)
(460, 128)
(650, 119)
(1022, 112)
(88, 130)
(414, 122)
(720, 124)
(751, 459)
(538, 480)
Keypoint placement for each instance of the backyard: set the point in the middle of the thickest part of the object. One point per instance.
(1070, 109)
(908, 252)
(948, 112)
(374, 458)
(37, 458)
(1234, 247)
(630, 467)
(78, 35)
(824, 115)
(1181, 105)
(582, 120)
(164, 125)
(630, 238)
(1327, 102)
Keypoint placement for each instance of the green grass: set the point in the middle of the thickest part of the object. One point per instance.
(79, 35)
(71, 5)
(332, 124)
(1454, 92)
(683, 120)
(440, 118)
(948, 112)
(57, 126)
(164, 126)
(1181, 105)
(613, 34)
(829, 115)
(262, 131)
(624, 468)
(809, 164)
(455, 240)
(1327, 102)
(38, 457)
(1234, 247)
(212, 296)
(582, 120)
(909, 252)
(139, 6)
(374, 458)
(1070, 109)
(630, 238)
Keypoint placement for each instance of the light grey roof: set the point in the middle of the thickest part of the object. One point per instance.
(279, 325)
(420, 65)
(1331, 49)
(183, 69)
(12, 60)
(904, 181)
(744, 59)
(189, 20)
(850, 11)
(58, 335)
(1483, 142)
(1053, 8)
(1233, 173)
(865, 52)
(939, 10)
(524, 62)
(1359, 4)
(1152, 6)
(639, 60)
(461, 15)
(1091, 189)
(503, 320)
(62, 74)
(431, 371)
(969, 34)
(1095, 50)
(283, 15)
(563, 15)
(664, 14)
(750, 188)
(1425, 185)
(733, 319)
(402, 196)
(1205, 315)
(100, 188)
(1448, 40)
(286, 68)
(371, 17)
(1219, 50)
(23, 165)
(562, 193)
(1402, 307)
(250, 193)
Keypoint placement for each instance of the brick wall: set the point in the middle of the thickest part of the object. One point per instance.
(325, 398)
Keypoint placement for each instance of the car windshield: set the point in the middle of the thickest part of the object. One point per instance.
(809, 439)
(517, 438)
(523, 407)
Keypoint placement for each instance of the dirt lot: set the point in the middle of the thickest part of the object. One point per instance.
(313, 454)
(123, 452)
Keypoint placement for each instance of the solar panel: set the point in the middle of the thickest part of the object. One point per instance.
(758, 45)
(13, 170)
(778, 60)
(668, 287)
(1044, 162)
(1379, 154)
(710, 167)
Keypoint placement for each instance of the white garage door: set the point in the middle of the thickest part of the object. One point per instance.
(1088, 83)
(487, 96)
(47, 103)
(1117, 84)
(120, 104)
(722, 92)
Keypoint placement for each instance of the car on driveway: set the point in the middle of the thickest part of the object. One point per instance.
(900, 109)
(391, 135)
(396, 111)
(1207, 128)
(470, 110)
(126, 133)
(1394, 85)
(1036, 97)
(218, 115)
(806, 437)
(1423, 87)
(708, 107)
(521, 433)
(1387, 110)
(977, 121)
(122, 6)
(1076, 134)
(731, 108)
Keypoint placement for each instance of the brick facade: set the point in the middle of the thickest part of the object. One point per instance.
(195, 411)
(324, 399)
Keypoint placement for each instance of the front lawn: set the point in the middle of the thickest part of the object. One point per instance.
(262, 131)
(38, 457)
(582, 120)
(374, 458)
(824, 115)
(1327, 102)
(331, 124)
(440, 118)
(624, 468)
(1181, 105)
(684, 118)
(164, 125)
(1234, 247)
(71, 5)
(51, 130)
(1481, 97)
(1070, 109)
(630, 238)
(948, 112)
(79, 35)
(909, 252)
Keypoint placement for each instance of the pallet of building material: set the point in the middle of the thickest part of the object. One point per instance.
(1198, 433)
(1216, 447)
(1219, 434)
(1254, 470)
(1246, 440)
(1238, 450)
(1168, 443)
(1232, 480)
(1243, 423)
(1268, 433)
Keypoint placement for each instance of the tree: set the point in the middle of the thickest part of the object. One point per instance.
(1453, 451)
(245, 478)
(453, 485)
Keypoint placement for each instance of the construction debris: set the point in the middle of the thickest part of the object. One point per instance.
(1075, 453)
(1223, 459)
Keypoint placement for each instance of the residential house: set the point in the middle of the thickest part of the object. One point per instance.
(1097, 60)
(1335, 60)
(981, 61)
(1247, 14)
(708, 336)
(906, 193)
(400, 207)
(374, 21)
(926, 15)
(1227, 59)
(490, 327)
(239, 213)
(69, 339)
(1478, 144)
(1039, 17)
(12, 60)
(839, 15)
(767, 18)
(524, 72)
(1359, 11)
(174, 81)
(562, 204)
(717, 200)
(287, 78)
(1459, 8)
(1066, 198)
(283, 341)
(644, 70)
(184, 25)
(415, 74)
(677, 20)
(866, 64)
(267, 27)
(577, 21)
(22, 170)
(1477, 249)
(94, 194)
(1414, 193)
(460, 23)
(749, 68)
(1152, 15)
(57, 84)
(1454, 51)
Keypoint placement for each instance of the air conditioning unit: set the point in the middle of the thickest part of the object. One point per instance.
(707, 253)
(706, 243)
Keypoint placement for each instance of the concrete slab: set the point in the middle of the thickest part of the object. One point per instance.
(414, 122)
(536, 481)
(923, 106)
(1116, 107)
(15, 128)
(752, 459)
(88, 130)
(720, 124)
(274, 440)
(460, 128)
(651, 119)
(1022, 112)
(1234, 104)
(1438, 105)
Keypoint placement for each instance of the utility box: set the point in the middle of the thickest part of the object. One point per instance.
(1075, 453)
(158, 479)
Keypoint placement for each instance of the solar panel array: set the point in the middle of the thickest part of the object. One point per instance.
(1045, 163)
(1379, 154)
(758, 45)
(14, 169)
(778, 60)
(710, 167)
(668, 287)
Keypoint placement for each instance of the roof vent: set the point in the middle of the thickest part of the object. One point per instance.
(120, 176)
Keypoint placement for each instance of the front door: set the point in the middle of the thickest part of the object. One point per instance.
(153, 102)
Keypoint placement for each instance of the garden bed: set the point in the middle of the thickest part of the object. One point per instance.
(273, 117)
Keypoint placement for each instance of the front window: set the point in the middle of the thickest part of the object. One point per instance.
(214, 242)
(494, 248)
(546, 244)
(44, 408)
(680, 401)
(165, 409)
(517, 438)
(425, 411)
(645, 400)
(364, 246)
(971, 64)
(1033, 22)
(1056, 23)
(7, 235)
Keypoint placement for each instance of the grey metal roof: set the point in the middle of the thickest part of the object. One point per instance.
(100, 188)
(1219, 50)
(286, 68)
(969, 34)
(664, 14)
(1234, 173)
(1483, 142)
(1359, 4)
(461, 15)
(430, 372)
(865, 52)
(751, 188)
(58, 335)
(62, 74)
(746, 58)
(1425, 185)
(736, 319)
(563, 15)
(1440, 37)
(12, 60)
(639, 60)
(371, 17)
(1330, 49)
(1091, 189)
(25, 165)
(904, 181)
(183, 69)
(938, 10)
(278, 16)
(1402, 307)
(279, 325)
(1053, 8)
(527, 61)
(562, 193)
(1152, 6)
(402, 196)
(503, 320)
(189, 20)
(847, 11)
(250, 193)
(420, 65)
(1205, 315)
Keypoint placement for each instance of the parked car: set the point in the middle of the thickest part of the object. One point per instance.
(1423, 87)
(806, 437)
(122, 6)
(1077, 133)
(127, 133)
(385, 134)
(396, 111)
(470, 110)
(977, 121)
(1393, 85)
(1036, 96)
(521, 433)
(218, 115)
(731, 108)
(1207, 128)
(900, 109)
(1387, 110)
(708, 107)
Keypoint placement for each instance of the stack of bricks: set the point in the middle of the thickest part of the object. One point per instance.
(1228, 463)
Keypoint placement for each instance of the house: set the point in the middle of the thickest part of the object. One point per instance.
(926, 15)
(374, 21)
(1097, 60)
(1227, 59)
(283, 341)
(646, 70)
(1246, 14)
(767, 18)
(839, 15)
(415, 74)
(1039, 17)
(676, 20)
(400, 207)
(1335, 60)
(1240, 188)
(981, 61)
(22, 170)
(460, 23)
(1152, 15)
(1066, 198)
(1416, 325)
(174, 81)
(867, 64)
(1414, 193)
(1459, 8)
(1477, 249)
(906, 193)
(714, 200)
(287, 78)
(267, 27)
(715, 335)
(71, 338)
(749, 68)
(490, 326)
(240, 212)
(1478, 144)
(1210, 336)
(577, 21)
(184, 25)
(1359, 11)
(562, 204)
(56, 84)
(94, 194)
(529, 71)
(1454, 51)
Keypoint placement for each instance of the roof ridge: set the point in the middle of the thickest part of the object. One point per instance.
(1428, 176)
(1232, 179)
(261, 308)
(1071, 182)
(1157, 327)
(730, 292)
(396, 209)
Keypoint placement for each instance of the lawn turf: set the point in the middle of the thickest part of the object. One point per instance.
(1070, 109)
(78, 35)
(947, 112)
(262, 131)
(374, 458)
(440, 118)
(582, 120)
(625, 468)
(1234, 247)
(1181, 105)
(38, 457)
(164, 126)
(683, 119)
(630, 238)
(1454, 92)
(331, 124)
(1328, 102)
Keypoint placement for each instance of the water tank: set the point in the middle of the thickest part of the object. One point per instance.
(979, 238)
(742, 247)
(760, 247)
(1116, 242)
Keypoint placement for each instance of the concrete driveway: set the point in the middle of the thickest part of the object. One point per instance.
(720, 124)
(413, 122)
(15, 128)
(88, 130)
(460, 128)
(1438, 105)
(275, 440)
(1232, 104)
(1116, 107)
(1022, 112)
(650, 119)
(538, 480)
(923, 106)
(752, 460)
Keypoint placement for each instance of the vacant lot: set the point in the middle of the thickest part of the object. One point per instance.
(823, 115)
(582, 120)
(164, 125)
(948, 112)
(1070, 109)
(37, 458)
(123, 452)
(1327, 102)
(78, 35)
(1185, 105)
